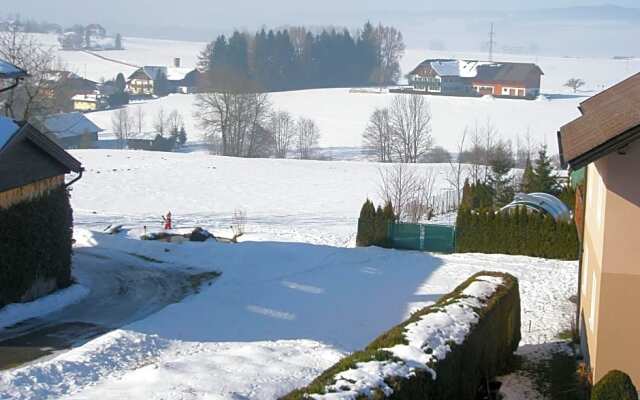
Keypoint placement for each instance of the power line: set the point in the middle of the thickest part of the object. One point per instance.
(492, 41)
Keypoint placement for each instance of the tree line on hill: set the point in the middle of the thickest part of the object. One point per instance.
(297, 58)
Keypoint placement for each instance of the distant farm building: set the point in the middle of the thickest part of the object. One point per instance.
(89, 102)
(160, 80)
(70, 130)
(452, 77)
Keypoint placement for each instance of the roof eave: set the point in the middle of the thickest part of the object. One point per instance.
(601, 150)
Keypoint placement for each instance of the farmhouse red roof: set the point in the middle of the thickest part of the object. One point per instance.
(610, 120)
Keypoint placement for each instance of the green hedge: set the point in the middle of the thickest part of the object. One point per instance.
(373, 225)
(35, 244)
(485, 353)
(615, 385)
(517, 233)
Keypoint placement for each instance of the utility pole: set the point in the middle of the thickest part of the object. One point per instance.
(492, 41)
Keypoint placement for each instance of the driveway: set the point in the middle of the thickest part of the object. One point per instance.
(124, 288)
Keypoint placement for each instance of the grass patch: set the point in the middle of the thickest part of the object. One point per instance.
(557, 378)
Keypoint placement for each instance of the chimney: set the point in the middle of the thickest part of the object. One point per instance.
(176, 62)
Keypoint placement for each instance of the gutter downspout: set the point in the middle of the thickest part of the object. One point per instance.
(74, 180)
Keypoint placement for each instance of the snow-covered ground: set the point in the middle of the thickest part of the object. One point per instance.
(279, 314)
(293, 298)
(285, 200)
(14, 313)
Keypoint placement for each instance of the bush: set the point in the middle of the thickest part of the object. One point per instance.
(373, 225)
(486, 351)
(35, 245)
(517, 233)
(615, 385)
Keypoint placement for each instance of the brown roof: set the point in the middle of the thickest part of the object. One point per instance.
(610, 120)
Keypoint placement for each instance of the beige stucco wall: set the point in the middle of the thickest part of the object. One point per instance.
(611, 264)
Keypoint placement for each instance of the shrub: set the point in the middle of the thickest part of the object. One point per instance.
(517, 233)
(373, 224)
(485, 352)
(615, 385)
(35, 245)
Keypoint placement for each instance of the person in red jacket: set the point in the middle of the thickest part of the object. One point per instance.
(167, 221)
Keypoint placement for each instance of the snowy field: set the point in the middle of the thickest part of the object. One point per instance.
(293, 297)
(342, 116)
(285, 200)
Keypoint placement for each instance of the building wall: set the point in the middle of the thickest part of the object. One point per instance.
(611, 270)
(79, 105)
(141, 87)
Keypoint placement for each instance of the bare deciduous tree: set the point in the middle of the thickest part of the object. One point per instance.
(410, 118)
(378, 135)
(35, 96)
(410, 193)
(391, 49)
(234, 120)
(174, 122)
(122, 124)
(307, 138)
(160, 124)
(138, 120)
(281, 125)
(238, 224)
(575, 84)
(457, 169)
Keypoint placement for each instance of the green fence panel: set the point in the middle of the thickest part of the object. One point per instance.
(436, 238)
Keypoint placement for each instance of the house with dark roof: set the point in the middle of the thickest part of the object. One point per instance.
(71, 130)
(159, 80)
(605, 142)
(507, 79)
(35, 214)
(451, 77)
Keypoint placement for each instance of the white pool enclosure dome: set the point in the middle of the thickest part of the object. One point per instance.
(541, 202)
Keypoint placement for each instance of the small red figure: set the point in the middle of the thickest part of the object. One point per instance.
(167, 221)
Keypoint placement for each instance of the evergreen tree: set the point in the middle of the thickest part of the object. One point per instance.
(182, 136)
(161, 85)
(528, 177)
(501, 162)
(121, 82)
(118, 42)
(545, 180)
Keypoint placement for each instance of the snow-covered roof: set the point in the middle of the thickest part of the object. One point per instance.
(10, 71)
(177, 74)
(69, 125)
(461, 68)
(8, 128)
(86, 97)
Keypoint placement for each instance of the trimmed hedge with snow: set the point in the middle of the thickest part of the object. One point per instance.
(444, 351)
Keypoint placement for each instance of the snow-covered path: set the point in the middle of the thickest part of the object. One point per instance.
(123, 289)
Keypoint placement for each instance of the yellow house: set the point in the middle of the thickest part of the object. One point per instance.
(606, 141)
(87, 102)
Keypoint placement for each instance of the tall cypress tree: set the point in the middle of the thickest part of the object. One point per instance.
(528, 177)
